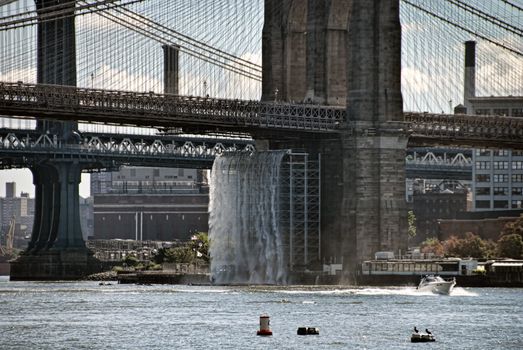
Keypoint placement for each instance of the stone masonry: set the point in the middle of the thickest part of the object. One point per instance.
(347, 51)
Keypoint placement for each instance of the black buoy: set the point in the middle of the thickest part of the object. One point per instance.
(308, 331)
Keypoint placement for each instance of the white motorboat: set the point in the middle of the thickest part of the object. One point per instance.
(436, 284)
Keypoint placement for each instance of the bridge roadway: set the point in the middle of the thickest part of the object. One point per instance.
(21, 148)
(200, 114)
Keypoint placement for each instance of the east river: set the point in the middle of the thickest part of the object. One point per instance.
(85, 315)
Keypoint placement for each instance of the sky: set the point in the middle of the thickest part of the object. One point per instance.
(142, 72)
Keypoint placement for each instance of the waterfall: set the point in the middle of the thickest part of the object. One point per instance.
(244, 230)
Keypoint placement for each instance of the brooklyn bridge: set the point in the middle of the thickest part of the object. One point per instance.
(329, 83)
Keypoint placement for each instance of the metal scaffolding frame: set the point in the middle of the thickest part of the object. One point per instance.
(300, 202)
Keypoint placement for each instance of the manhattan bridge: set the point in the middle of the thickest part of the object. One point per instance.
(93, 85)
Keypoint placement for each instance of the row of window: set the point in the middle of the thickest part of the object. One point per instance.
(483, 152)
(514, 204)
(516, 112)
(497, 178)
(499, 165)
(499, 191)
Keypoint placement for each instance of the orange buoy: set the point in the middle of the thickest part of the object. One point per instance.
(265, 323)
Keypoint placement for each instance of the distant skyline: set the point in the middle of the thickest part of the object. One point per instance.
(24, 182)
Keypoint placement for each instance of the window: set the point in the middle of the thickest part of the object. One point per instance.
(517, 112)
(501, 111)
(500, 204)
(500, 165)
(517, 191)
(482, 191)
(482, 165)
(517, 177)
(482, 204)
(482, 152)
(516, 204)
(483, 111)
(500, 152)
(500, 191)
(517, 153)
(517, 165)
(482, 178)
(500, 177)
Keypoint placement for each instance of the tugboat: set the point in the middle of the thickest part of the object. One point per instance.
(436, 284)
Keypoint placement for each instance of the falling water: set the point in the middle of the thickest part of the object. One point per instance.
(246, 243)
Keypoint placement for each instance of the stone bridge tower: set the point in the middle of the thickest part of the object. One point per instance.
(347, 53)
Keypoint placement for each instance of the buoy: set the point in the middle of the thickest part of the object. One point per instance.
(265, 323)
(308, 330)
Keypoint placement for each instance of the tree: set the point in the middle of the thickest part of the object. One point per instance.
(411, 221)
(470, 246)
(199, 244)
(432, 245)
(511, 246)
(513, 227)
(130, 260)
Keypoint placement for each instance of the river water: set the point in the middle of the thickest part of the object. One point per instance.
(85, 315)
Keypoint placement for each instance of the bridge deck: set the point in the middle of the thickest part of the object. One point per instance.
(211, 114)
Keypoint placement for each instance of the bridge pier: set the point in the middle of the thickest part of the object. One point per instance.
(56, 250)
(341, 52)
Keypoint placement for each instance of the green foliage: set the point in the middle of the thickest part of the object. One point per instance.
(200, 245)
(197, 249)
(130, 260)
(411, 221)
(511, 246)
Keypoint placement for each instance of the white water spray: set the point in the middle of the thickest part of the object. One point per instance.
(246, 245)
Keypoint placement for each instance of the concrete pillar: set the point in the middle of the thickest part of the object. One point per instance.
(69, 231)
(56, 57)
(171, 74)
(470, 75)
(46, 207)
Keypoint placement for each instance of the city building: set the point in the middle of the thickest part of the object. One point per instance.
(497, 175)
(21, 209)
(142, 203)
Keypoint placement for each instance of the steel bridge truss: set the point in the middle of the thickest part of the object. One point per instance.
(300, 209)
(210, 114)
(24, 147)
(466, 130)
(439, 163)
(162, 110)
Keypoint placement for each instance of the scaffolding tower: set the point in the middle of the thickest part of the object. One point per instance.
(300, 205)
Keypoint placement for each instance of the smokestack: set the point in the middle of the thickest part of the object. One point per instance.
(470, 75)
(171, 75)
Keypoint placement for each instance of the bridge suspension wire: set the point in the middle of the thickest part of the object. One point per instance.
(433, 50)
(133, 21)
(225, 39)
(56, 12)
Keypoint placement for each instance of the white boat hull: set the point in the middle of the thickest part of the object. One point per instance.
(439, 287)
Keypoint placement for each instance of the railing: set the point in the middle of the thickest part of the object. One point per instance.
(465, 127)
(158, 110)
(150, 109)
